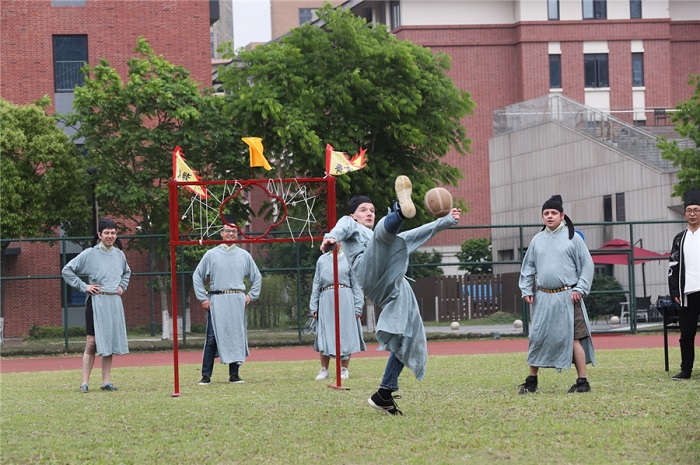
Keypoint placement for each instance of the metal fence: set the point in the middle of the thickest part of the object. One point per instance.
(485, 305)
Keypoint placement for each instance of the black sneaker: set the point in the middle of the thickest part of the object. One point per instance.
(681, 376)
(387, 406)
(205, 381)
(235, 379)
(580, 386)
(529, 386)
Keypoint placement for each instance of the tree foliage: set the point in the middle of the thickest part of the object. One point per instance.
(419, 262)
(44, 180)
(351, 84)
(476, 250)
(608, 302)
(131, 128)
(687, 121)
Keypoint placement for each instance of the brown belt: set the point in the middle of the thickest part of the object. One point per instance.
(227, 291)
(554, 291)
(107, 293)
(328, 288)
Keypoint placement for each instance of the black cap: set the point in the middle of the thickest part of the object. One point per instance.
(356, 202)
(554, 203)
(691, 197)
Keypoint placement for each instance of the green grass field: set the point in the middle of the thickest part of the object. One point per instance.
(467, 410)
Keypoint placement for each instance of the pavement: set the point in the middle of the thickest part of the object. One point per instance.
(459, 347)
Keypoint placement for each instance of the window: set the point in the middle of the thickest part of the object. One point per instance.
(637, 69)
(394, 14)
(69, 55)
(67, 2)
(555, 71)
(635, 9)
(595, 68)
(552, 9)
(607, 209)
(595, 9)
(506, 255)
(620, 206)
(306, 15)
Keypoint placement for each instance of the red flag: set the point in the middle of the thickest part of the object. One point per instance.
(337, 163)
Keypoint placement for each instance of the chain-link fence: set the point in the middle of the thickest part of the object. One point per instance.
(40, 314)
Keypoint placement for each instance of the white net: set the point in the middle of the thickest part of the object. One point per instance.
(264, 210)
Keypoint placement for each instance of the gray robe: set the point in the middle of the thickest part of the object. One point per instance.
(556, 261)
(109, 270)
(226, 270)
(379, 262)
(350, 301)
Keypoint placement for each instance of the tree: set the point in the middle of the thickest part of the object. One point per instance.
(608, 301)
(476, 251)
(130, 130)
(351, 84)
(687, 121)
(44, 181)
(420, 261)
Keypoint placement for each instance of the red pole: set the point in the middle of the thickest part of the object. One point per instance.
(172, 197)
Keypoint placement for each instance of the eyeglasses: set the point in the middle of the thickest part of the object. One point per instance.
(228, 231)
(692, 211)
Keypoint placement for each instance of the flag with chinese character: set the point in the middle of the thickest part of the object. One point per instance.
(256, 152)
(337, 163)
(182, 172)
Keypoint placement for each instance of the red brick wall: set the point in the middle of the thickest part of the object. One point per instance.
(685, 58)
(176, 29)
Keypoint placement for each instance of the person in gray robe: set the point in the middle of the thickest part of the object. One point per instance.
(108, 277)
(379, 260)
(322, 307)
(560, 265)
(226, 266)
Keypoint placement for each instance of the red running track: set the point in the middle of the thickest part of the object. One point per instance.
(481, 346)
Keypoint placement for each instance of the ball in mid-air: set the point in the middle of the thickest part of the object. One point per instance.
(438, 201)
(455, 325)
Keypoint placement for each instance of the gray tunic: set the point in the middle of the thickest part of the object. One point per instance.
(379, 262)
(350, 301)
(556, 261)
(110, 270)
(226, 270)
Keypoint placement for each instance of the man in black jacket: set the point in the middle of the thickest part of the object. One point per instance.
(684, 280)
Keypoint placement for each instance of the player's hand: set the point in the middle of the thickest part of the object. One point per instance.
(206, 304)
(576, 296)
(529, 299)
(120, 290)
(456, 213)
(247, 299)
(93, 289)
(327, 244)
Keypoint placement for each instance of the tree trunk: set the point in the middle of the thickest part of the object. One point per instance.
(370, 316)
(167, 332)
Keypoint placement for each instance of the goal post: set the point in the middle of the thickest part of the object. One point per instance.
(281, 210)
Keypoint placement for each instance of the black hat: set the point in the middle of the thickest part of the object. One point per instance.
(106, 223)
(691, 197)
(356, 202)
(229, 218)
(554, 203)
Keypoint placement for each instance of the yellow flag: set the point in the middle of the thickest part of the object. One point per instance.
(337, 163)
(182, 172)
(256, 152)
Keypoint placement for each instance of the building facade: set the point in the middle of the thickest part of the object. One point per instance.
(44, 43)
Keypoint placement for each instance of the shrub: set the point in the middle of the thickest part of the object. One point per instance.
(605, 303)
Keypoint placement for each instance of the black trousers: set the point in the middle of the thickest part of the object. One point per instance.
(688, 323)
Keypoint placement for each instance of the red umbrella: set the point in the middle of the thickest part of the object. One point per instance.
(622, 258)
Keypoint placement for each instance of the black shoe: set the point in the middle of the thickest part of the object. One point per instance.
(206, 380)
(529, 386)
(235, 379)
(387, 406)
(681, 376)
(580, 386)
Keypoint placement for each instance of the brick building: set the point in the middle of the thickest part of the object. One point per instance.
(44, 44)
